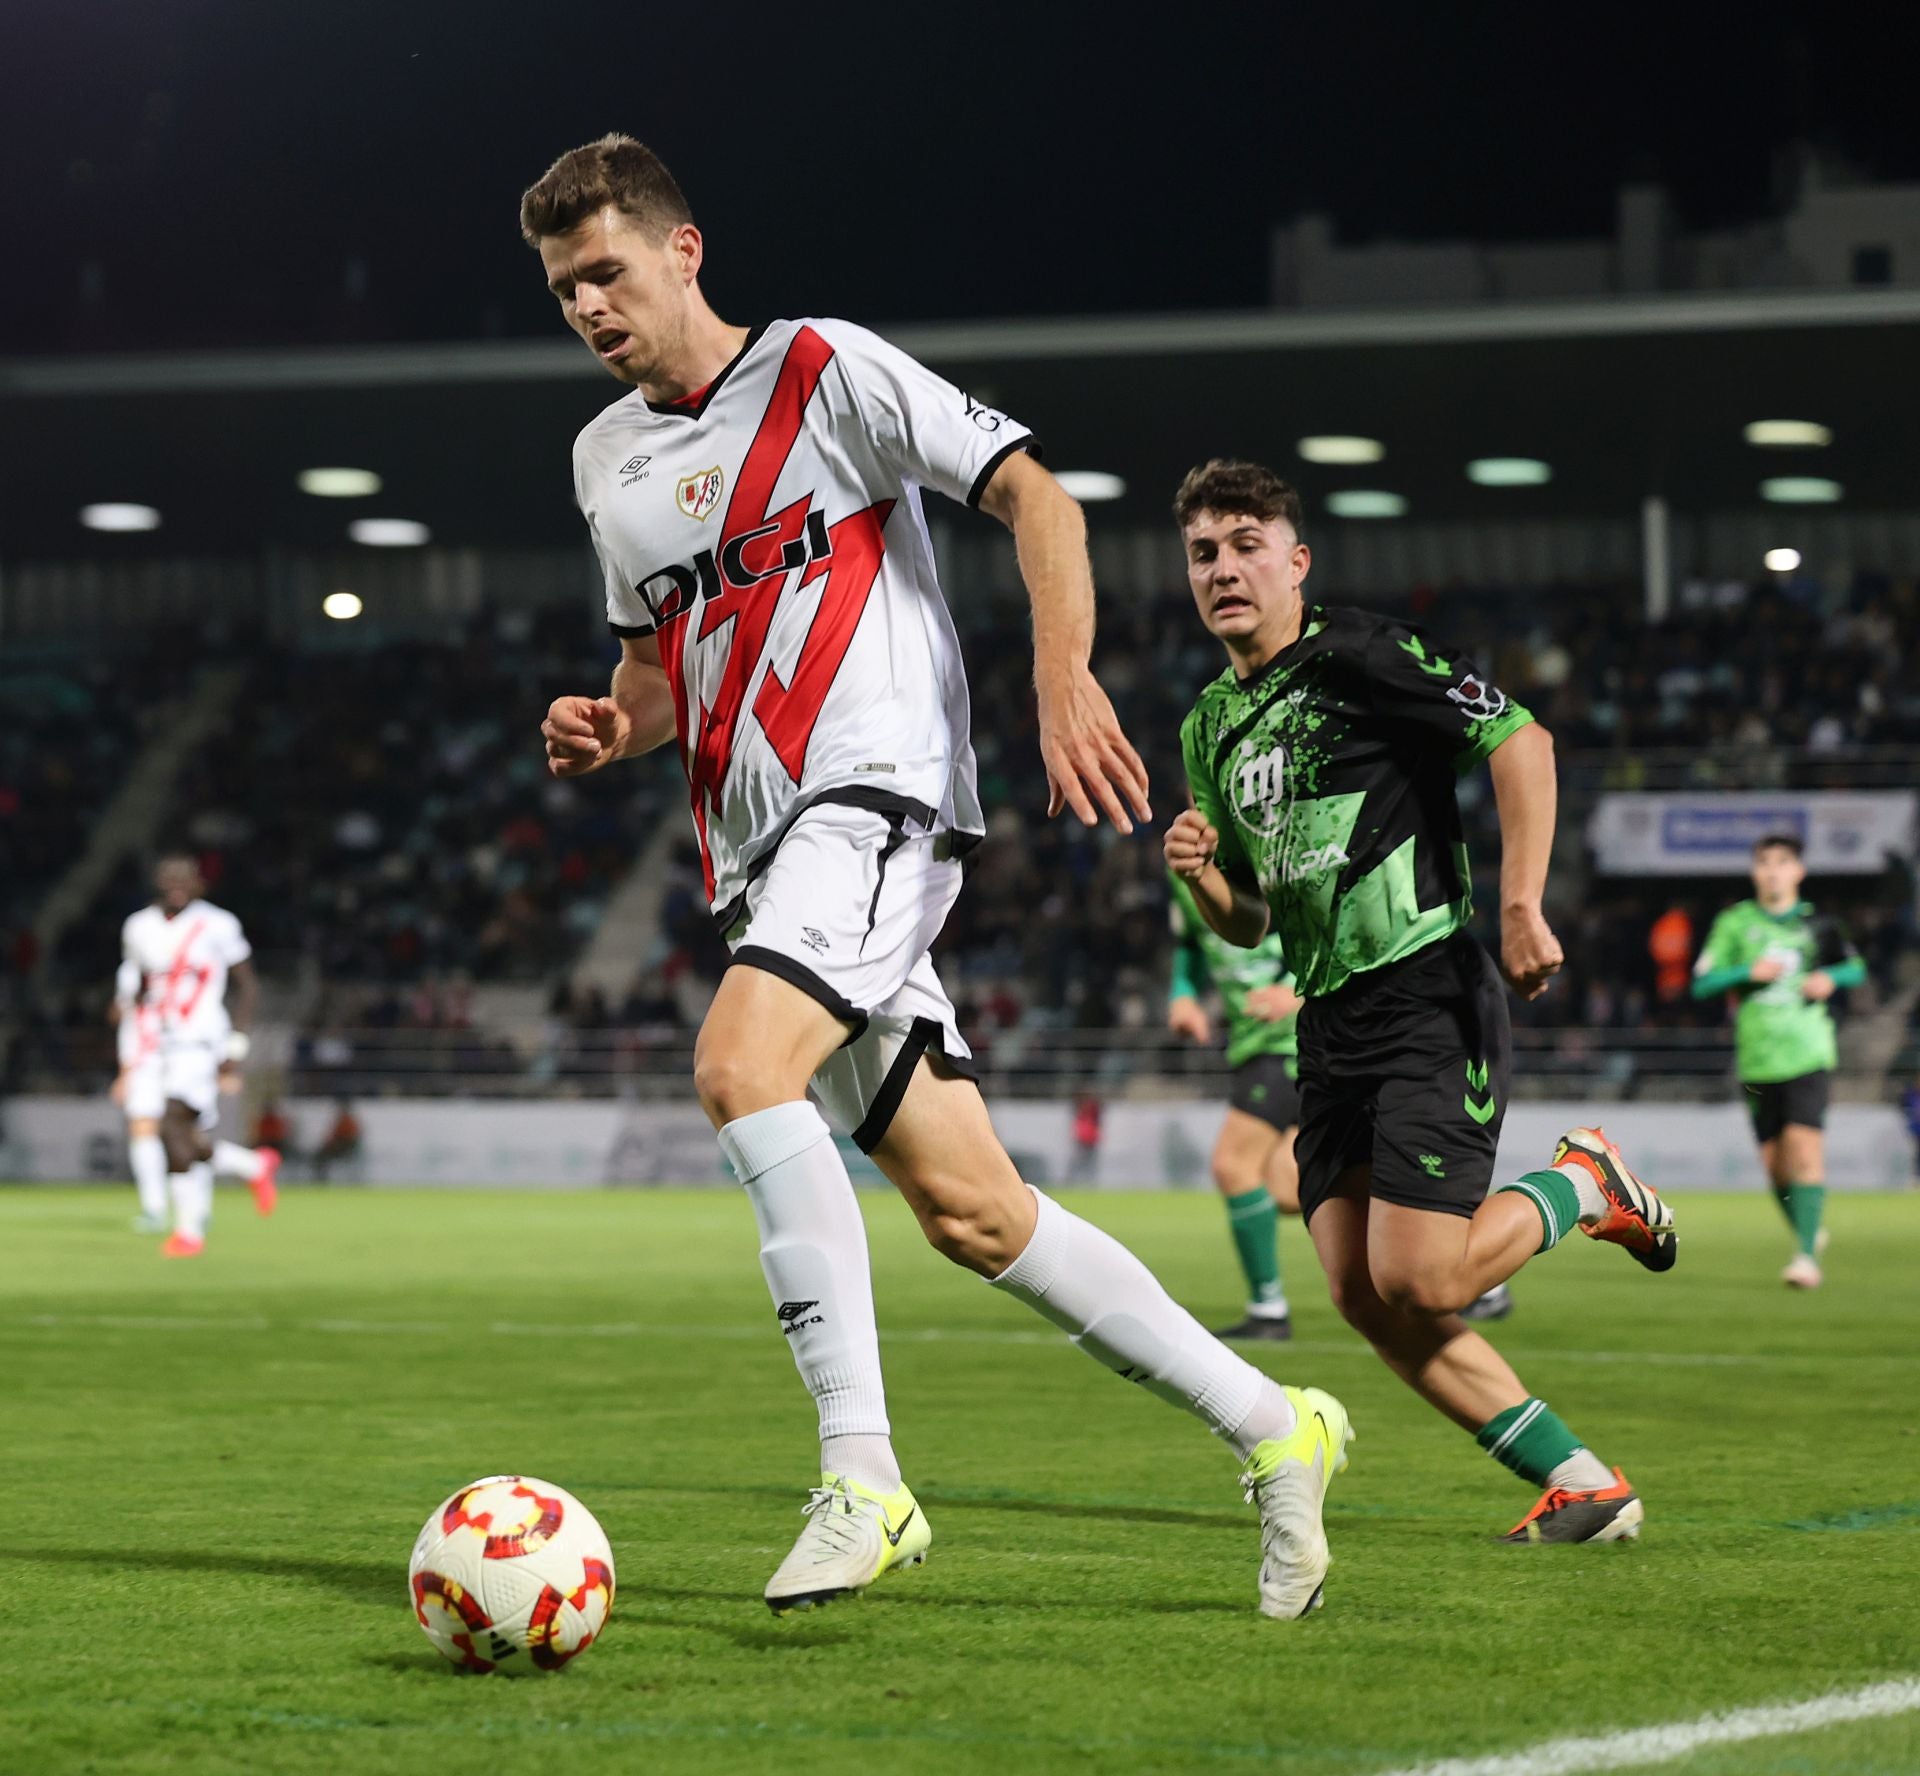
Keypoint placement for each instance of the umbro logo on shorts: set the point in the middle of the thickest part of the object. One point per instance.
(815, 940)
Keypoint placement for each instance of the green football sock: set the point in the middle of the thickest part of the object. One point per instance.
(1529, 1439)
(1254, 1219)
(1783, 1195)
(1806, 1203)
(1557, 1201)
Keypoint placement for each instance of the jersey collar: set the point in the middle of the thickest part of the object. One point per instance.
(1799, 910)
(1308, 614)
(693, 410)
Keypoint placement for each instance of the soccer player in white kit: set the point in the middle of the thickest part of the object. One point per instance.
(755, 504)
(180, 1048)
(137, 1090)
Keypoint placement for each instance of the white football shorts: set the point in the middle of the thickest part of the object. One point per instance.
(846, 909)
(190, 1072)
(146, 1093)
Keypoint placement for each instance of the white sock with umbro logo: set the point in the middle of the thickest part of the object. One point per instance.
(813, 1252)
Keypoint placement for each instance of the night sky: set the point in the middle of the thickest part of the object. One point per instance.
(224, 164)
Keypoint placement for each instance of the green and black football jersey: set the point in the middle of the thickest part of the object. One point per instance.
(1330, 777)
(1779, 1033)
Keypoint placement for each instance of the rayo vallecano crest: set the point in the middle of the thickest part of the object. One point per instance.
(698, 494)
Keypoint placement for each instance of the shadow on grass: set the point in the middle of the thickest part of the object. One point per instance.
(367, 1581)
(963, 1499)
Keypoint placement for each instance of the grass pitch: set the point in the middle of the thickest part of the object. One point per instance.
(216, 1470)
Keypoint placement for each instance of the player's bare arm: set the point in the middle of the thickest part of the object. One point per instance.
(1237, 913)
(636, 715)
(243, 998)
(1527, 795)
(1089, 759)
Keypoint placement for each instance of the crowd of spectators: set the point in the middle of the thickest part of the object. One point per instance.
(380, 818)
(384, 815)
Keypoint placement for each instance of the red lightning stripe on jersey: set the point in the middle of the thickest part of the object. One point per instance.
(788, 713)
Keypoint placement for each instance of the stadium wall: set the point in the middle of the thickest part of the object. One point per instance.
(1142, 1146)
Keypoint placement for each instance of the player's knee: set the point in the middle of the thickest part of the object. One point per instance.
(730, 1085)
(1422, 1292)
(975, 1237)
(1231, 1178)
(1358, 1303)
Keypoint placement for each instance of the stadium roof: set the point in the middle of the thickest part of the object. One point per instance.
(1621, 398)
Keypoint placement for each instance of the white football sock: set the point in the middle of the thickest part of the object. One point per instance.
(231, 1160)
(192, 1199)
(149, 1156)
(1582, 1471)
(1091, 1286)
(813, 1249)
(1593, 1200)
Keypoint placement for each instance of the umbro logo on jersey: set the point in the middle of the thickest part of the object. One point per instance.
(698, 494)
(634, 469)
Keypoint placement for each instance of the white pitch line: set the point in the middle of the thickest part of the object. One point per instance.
(1332, 1347)
(1678, 1739)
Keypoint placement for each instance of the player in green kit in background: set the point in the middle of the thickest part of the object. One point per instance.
(1322, 765)
(1253, 1156)
(1783, 963)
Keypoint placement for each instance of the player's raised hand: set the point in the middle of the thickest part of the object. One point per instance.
(582, 734)
(1188, 1017)
(1089, 760)
(1189, 844)
(1817, 986)
(1530, 955)
(1767, 968)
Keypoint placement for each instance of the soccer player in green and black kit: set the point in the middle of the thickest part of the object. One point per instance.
(1253, 1156)
(1322, 766)
(1783, 963)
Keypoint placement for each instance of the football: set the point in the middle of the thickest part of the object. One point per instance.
(513, 1575)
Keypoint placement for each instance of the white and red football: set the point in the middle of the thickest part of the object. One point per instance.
(511, 1575)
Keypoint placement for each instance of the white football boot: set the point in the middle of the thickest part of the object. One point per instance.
(1288, 1477)
(853, 1535)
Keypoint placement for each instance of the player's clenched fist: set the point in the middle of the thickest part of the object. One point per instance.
(582, 734)
(1190, 844)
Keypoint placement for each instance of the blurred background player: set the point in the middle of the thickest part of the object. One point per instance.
(1783, 963)
(188, 952)
(137, 1090)
(780, 615)
(1253, 1157)
(1322, 765)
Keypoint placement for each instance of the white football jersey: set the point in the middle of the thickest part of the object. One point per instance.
(770, 532)
(133, 1034)
(184, 962)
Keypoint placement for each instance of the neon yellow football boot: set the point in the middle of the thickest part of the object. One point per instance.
(1288, 1477)
(853, 1535)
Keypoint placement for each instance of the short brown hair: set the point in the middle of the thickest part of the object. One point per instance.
(1224, 485)
(1778, 841)
(615, 170)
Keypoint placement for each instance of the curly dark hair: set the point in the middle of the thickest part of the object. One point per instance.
(1224, 485)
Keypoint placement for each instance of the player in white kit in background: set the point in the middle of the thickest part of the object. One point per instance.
(136, 1089)
(181, 1048)
(755, 504)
